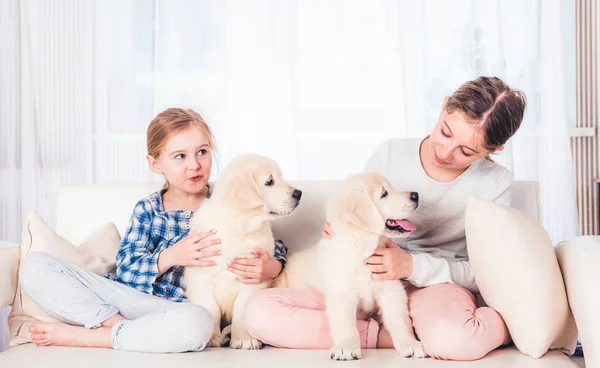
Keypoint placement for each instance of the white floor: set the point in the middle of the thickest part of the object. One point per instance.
(32, 356)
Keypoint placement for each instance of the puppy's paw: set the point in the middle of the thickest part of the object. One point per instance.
(345, 353)
(226, 335)
(227, 330)
(249, 344)
(412, 349)
(218, 340)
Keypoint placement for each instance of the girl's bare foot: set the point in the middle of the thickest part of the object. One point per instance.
(61, 334)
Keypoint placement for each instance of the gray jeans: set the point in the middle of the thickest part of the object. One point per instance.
(82, 298)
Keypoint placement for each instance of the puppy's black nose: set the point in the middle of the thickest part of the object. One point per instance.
(297, 194)
(414, 196)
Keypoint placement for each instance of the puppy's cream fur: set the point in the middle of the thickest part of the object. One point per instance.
(336, 265)
(249, 193)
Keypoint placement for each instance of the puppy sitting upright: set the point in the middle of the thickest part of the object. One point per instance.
(364, 208)
(248, 194)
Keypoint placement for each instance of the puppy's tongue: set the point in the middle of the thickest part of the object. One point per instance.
(405, 224)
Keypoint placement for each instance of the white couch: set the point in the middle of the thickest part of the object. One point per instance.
(84, 209)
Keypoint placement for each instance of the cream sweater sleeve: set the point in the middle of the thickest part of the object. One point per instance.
(429, 270)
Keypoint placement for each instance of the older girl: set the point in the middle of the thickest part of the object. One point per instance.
(445, 168)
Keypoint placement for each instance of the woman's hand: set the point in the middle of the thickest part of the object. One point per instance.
(255, 270)
(390, 263)
(327, 230)
(189, 251)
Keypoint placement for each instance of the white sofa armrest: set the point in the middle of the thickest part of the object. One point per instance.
(579, 260)
(10, 254)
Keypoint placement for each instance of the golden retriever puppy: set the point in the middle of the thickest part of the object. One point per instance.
(364, 208)
(248, 194)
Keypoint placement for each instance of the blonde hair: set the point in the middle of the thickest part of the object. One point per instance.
(172, 121)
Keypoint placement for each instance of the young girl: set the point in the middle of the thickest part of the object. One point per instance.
(445, 168)
(140, 310)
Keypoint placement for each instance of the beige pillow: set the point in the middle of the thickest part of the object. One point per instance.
(517, 273)
(97, 254)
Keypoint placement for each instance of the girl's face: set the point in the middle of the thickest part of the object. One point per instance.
(455, 143)
(186, 160)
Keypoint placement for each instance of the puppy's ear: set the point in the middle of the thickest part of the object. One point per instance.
(241, 191)
(356, 208)
(241, 188)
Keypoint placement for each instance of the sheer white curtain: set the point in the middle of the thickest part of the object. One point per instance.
(46, 109)
(47, 105)
(315, 84)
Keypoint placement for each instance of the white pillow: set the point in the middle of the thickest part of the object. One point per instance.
(517, 273)
(97, 254)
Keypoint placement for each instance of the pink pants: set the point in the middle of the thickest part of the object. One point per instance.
(445, 318)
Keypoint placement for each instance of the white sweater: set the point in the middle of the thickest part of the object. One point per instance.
(438, 246)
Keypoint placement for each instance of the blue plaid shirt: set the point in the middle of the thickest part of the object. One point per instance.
(151, 230)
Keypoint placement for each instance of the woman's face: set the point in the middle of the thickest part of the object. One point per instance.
(455, 143)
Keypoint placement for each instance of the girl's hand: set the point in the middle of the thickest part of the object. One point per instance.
(327, 230)
(189, 251)
(255, 270)
(390, 263)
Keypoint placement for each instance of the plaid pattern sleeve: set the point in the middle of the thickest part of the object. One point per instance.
(280, 252)
(137, 263)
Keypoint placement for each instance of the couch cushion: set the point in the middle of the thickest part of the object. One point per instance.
(102, 203)
(526, 198)
(518, 275)
(98, 204)
(97, 254)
